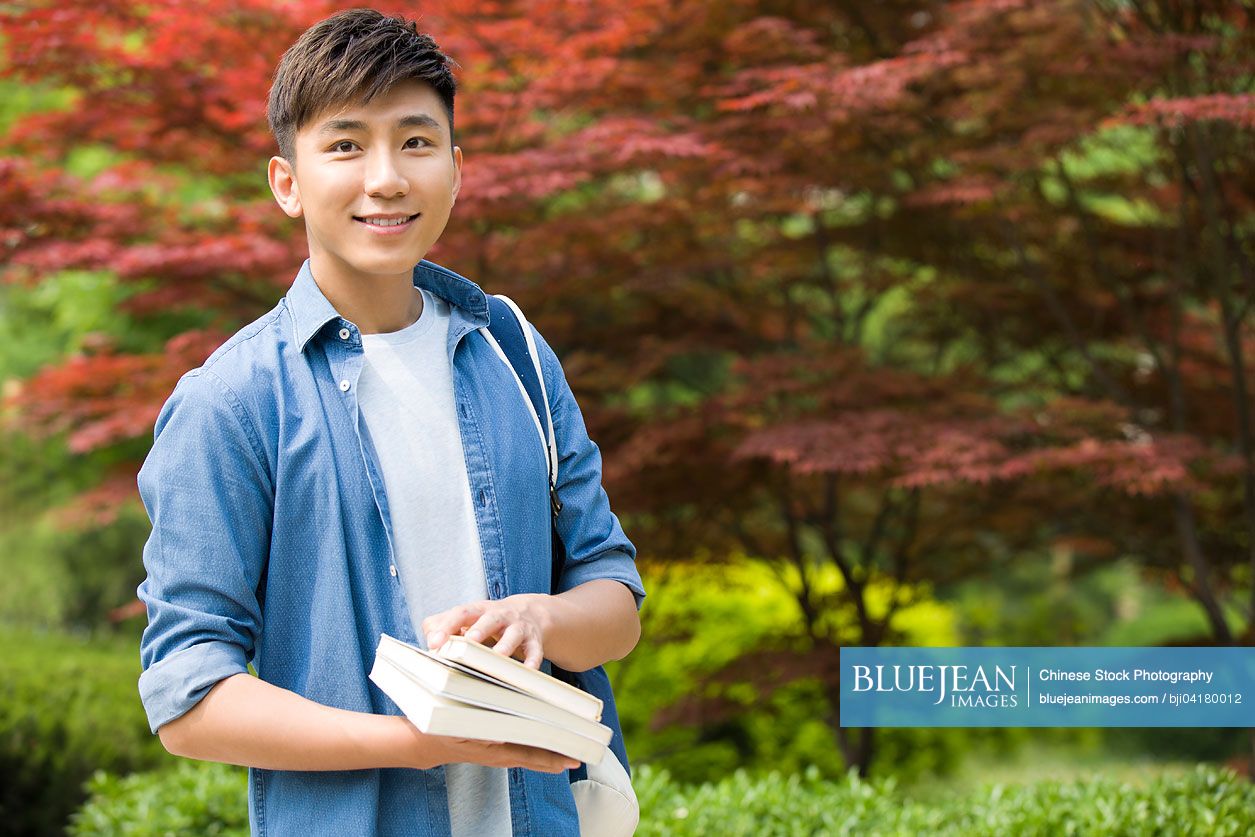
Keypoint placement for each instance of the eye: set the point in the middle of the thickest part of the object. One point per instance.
(424, 142)
(339, 146)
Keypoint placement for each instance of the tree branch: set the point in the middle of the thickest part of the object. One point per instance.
(1033, 271)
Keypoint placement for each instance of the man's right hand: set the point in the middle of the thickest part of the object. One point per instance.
(434, 750)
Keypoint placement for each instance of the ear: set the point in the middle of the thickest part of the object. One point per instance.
(283, 185)
(457, 172)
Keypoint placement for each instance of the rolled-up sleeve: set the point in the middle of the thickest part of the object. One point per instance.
(210, 501)
(596, 546)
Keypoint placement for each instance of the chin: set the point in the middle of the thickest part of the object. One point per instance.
(389, 266)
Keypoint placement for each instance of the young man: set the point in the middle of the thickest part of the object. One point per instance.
(359, 461)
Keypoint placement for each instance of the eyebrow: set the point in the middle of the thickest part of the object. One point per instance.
(414, 120)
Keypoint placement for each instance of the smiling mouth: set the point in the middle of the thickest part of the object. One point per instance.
(387, 224)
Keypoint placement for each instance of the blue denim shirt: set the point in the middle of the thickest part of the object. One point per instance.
(271, 542)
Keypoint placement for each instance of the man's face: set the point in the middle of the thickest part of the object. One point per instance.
(386, 161)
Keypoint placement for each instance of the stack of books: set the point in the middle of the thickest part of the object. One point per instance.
(467, 690)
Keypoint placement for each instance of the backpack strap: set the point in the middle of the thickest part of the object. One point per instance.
(510, 336)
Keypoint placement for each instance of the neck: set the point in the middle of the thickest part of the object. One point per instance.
(375, 304)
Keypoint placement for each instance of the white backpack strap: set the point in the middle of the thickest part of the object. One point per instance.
(546, 434)
(496, 347)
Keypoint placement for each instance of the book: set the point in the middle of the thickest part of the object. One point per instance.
(436, 715)
(448, 679)
(510, 671)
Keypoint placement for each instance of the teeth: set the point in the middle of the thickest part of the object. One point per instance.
(383, 222)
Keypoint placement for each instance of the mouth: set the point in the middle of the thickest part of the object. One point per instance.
(384, 226)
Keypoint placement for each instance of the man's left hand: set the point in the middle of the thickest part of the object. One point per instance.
(514, 626)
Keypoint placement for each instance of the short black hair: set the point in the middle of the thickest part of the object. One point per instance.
(352, 56)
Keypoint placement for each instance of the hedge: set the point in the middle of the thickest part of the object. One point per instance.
(67, 709)
(200, 798)
(211, 799)
(1207, 801)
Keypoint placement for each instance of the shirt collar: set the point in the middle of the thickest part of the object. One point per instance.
(311, 310)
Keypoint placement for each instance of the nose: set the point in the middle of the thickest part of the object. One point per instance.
(384, 178)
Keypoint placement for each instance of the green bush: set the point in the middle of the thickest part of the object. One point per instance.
(698, 620)
(66, 710)
(195, 798)
(200, 798)
(1206, 801)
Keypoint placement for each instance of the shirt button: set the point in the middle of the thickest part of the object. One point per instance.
(344, 334)
(393, 569)
(344, 386)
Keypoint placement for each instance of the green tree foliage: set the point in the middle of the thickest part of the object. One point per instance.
(696, 700)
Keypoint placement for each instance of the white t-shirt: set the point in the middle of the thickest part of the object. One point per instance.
(406, 397)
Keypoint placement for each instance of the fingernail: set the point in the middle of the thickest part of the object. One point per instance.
(473, 636)
(434, 639)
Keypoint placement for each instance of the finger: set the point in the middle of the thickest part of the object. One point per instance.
(535, 654)
(534, 758)
(443, 625)
(488, 625)
(554, 764)
(511, 639)
(497, 754)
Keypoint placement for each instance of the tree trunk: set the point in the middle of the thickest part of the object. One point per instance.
(857, 743)
(1202, 587)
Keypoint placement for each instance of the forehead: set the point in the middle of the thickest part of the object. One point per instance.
(404, 99)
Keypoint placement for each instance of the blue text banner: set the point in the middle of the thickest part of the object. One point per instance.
(1048, 687)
